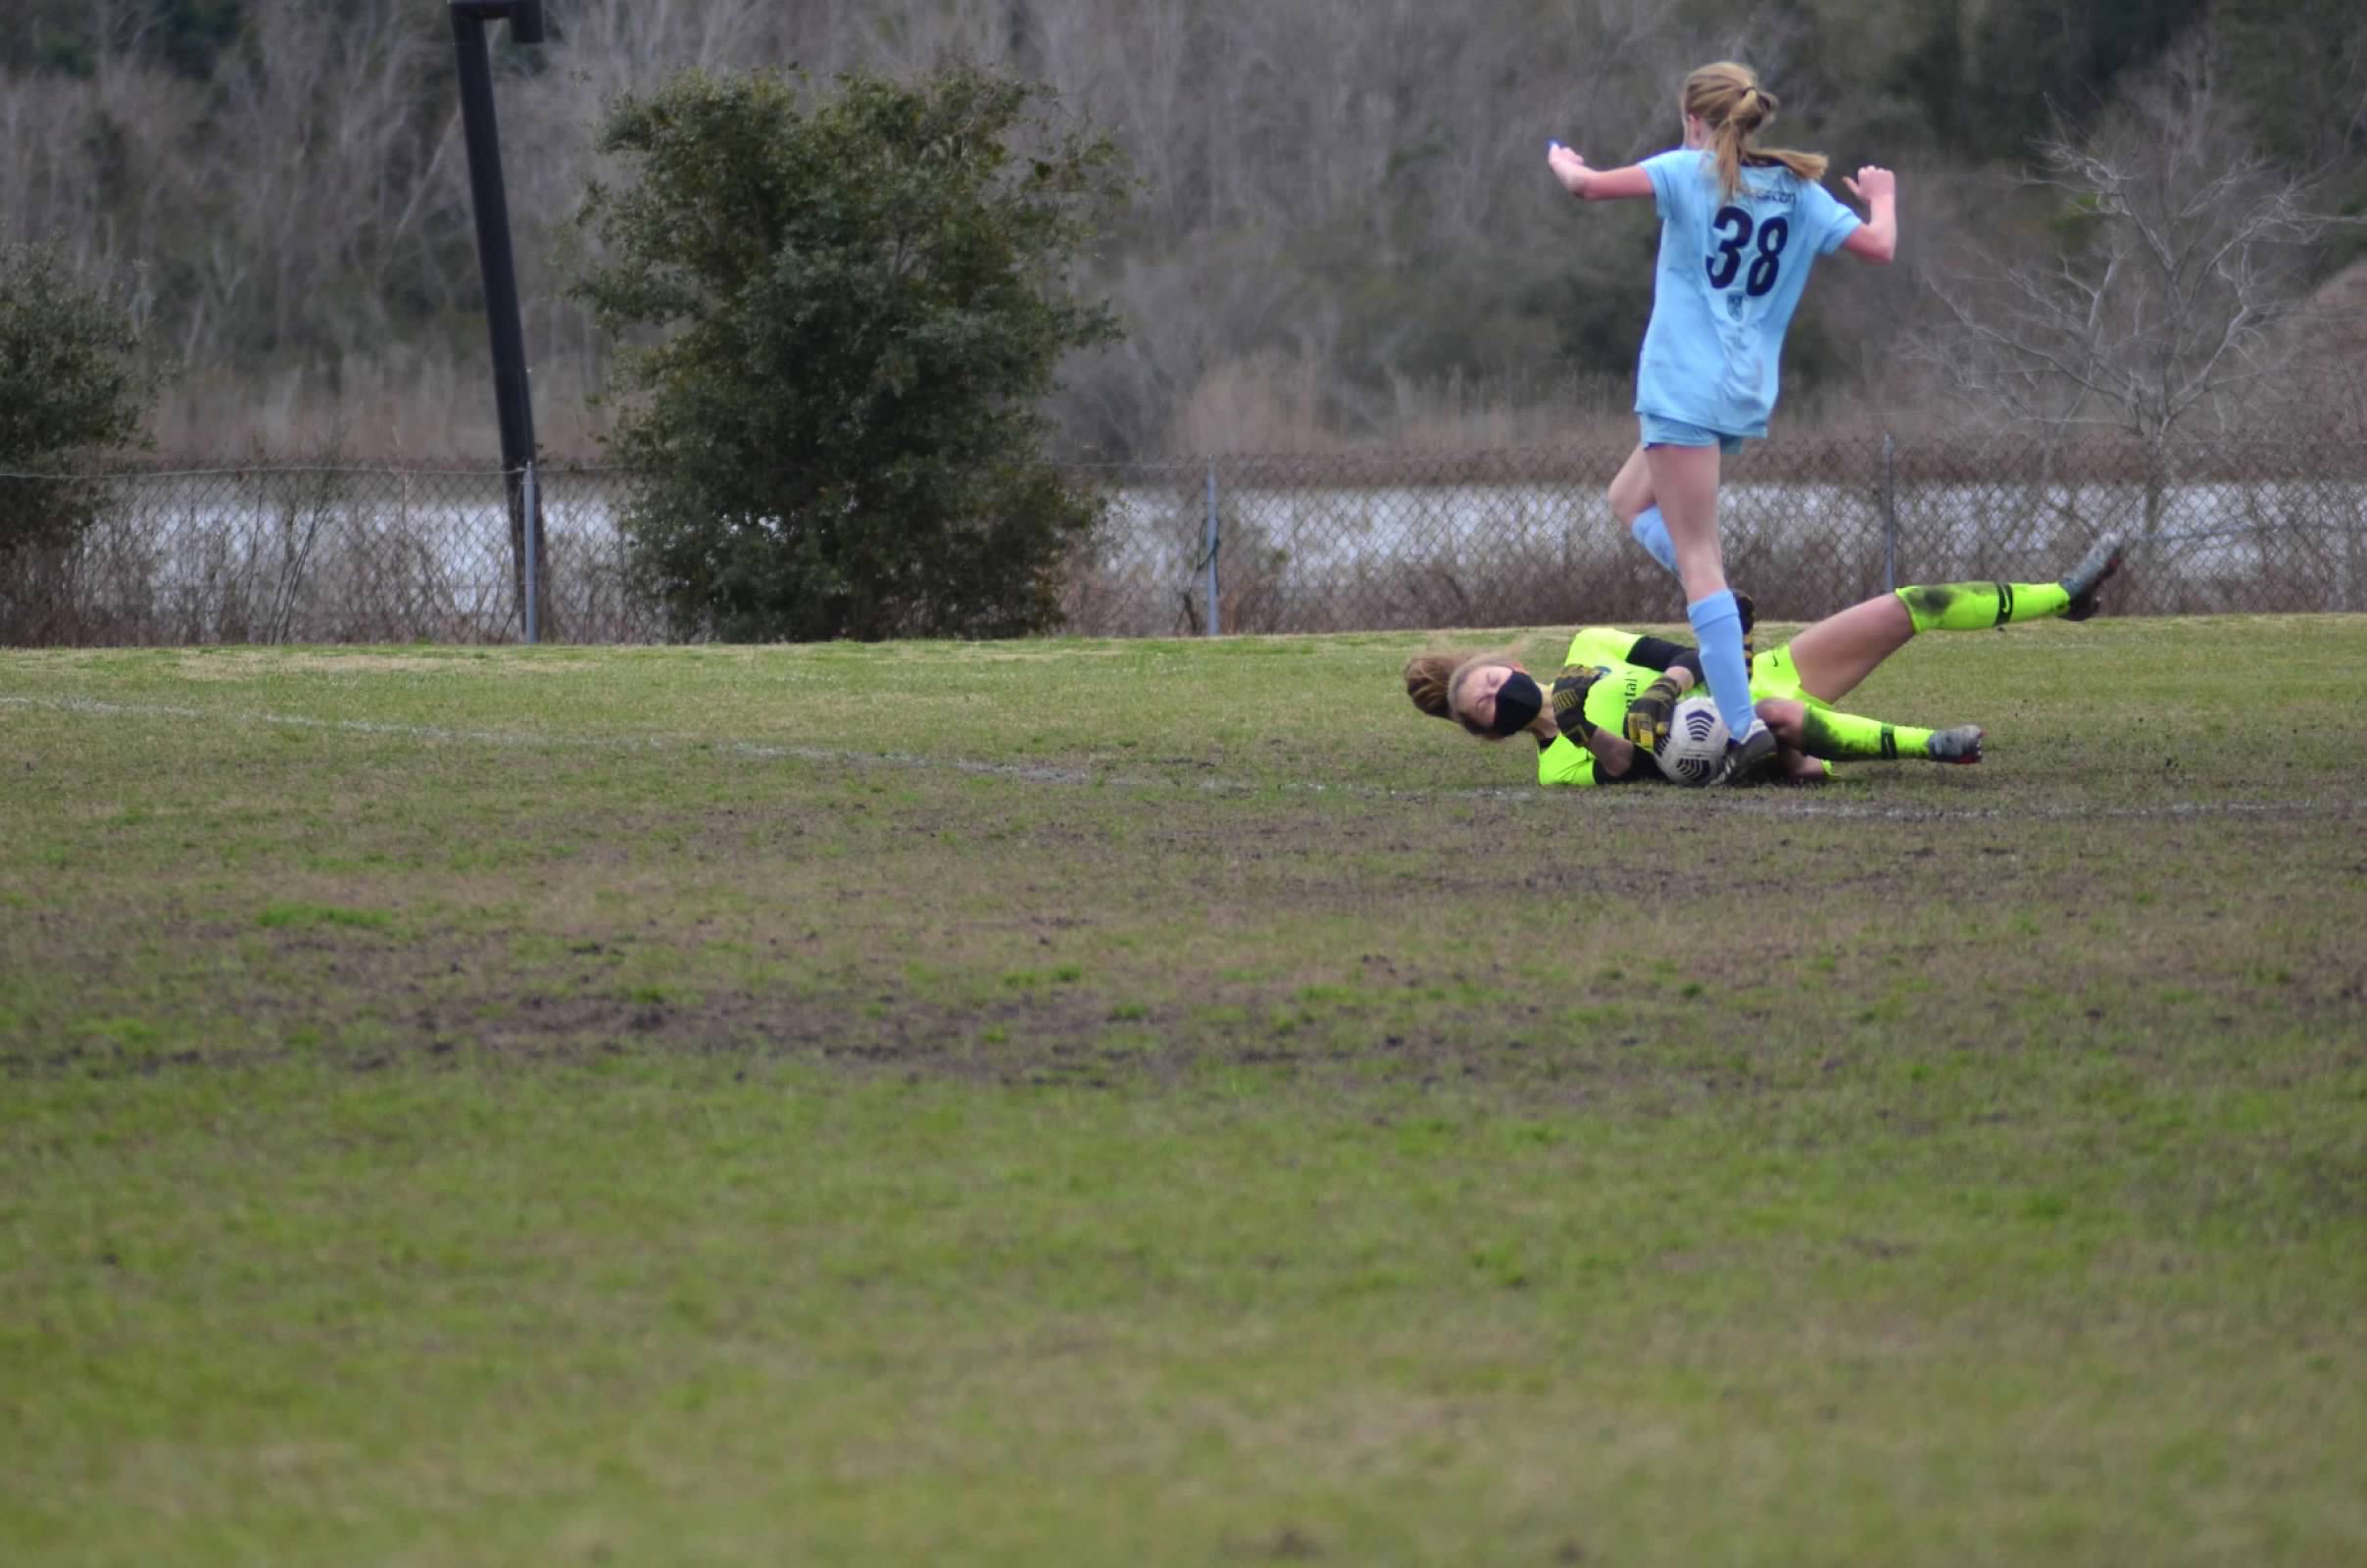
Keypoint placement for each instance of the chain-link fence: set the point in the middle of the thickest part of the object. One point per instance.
(310, 554)
(1343, 542)
(1808, 525)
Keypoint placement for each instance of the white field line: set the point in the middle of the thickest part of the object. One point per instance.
(94, 708)
(1768, 803)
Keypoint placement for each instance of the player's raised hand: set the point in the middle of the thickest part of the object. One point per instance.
(1569, 168)
(1873, 183)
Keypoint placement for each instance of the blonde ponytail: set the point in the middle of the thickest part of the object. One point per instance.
(1727, 98)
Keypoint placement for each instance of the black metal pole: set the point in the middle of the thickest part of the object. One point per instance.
(511, 397)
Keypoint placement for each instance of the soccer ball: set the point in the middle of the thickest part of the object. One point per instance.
(1696, 742)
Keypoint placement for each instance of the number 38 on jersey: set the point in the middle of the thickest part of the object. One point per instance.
(1732, 234)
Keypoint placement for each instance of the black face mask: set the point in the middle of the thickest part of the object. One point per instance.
(1517, 702)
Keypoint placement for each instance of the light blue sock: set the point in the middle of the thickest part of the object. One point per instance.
(1718, 626)
(1652, 532)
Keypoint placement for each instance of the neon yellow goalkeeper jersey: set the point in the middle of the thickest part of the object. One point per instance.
(1568, 764)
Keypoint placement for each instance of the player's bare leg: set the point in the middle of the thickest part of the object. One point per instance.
(1685, 480)
(1838, 652)
(1630, 490)
(1633, 504)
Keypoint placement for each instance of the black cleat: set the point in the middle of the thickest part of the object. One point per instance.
(1748, 611)
(1748, 759)
(2092, 572)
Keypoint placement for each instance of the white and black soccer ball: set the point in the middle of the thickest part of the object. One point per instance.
(1696, 746)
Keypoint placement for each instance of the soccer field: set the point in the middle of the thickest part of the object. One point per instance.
(1168, 1102)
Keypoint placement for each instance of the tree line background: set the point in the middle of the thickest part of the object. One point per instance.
(1343, 229)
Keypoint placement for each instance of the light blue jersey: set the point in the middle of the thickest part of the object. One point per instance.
(1730, 276)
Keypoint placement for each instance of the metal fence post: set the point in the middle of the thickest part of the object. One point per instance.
(1889, 514)
(1214, 630)
(533, 556)
(513, 392)
(2349, 599)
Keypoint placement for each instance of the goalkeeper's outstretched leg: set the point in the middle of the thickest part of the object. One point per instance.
(1830, 735)
(1834, 656)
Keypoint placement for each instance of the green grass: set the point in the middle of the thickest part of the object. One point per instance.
(1166, 1103)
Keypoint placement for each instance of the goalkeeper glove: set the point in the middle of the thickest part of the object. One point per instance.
(1648, 717)
(1570, 690)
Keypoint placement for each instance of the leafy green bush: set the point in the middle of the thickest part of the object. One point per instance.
(859, 299)
(73, 384)
(71, 377)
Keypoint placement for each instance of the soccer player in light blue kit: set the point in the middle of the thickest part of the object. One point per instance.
(1739, 227)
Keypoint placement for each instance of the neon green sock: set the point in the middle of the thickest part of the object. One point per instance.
(1847, 737)
(1979, 606)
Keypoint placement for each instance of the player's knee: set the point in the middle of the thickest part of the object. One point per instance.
(1898, 614)
(1626, 504)
(1630, 494)
(1786, 720)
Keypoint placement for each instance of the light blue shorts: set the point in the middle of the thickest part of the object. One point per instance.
(1660, 432)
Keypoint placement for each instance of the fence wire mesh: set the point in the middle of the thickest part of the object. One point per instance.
(1808, 525)
(1333, 543)
(308, 554)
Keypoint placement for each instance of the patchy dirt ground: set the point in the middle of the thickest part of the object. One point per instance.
(851, 1101)
(345, 852)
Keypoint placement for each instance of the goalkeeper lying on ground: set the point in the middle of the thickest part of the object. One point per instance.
(1612, 701)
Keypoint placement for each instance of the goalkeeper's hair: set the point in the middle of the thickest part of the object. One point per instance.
(1434, 679)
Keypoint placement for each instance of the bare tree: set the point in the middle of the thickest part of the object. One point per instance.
(1345, 195)
(2178, 254)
